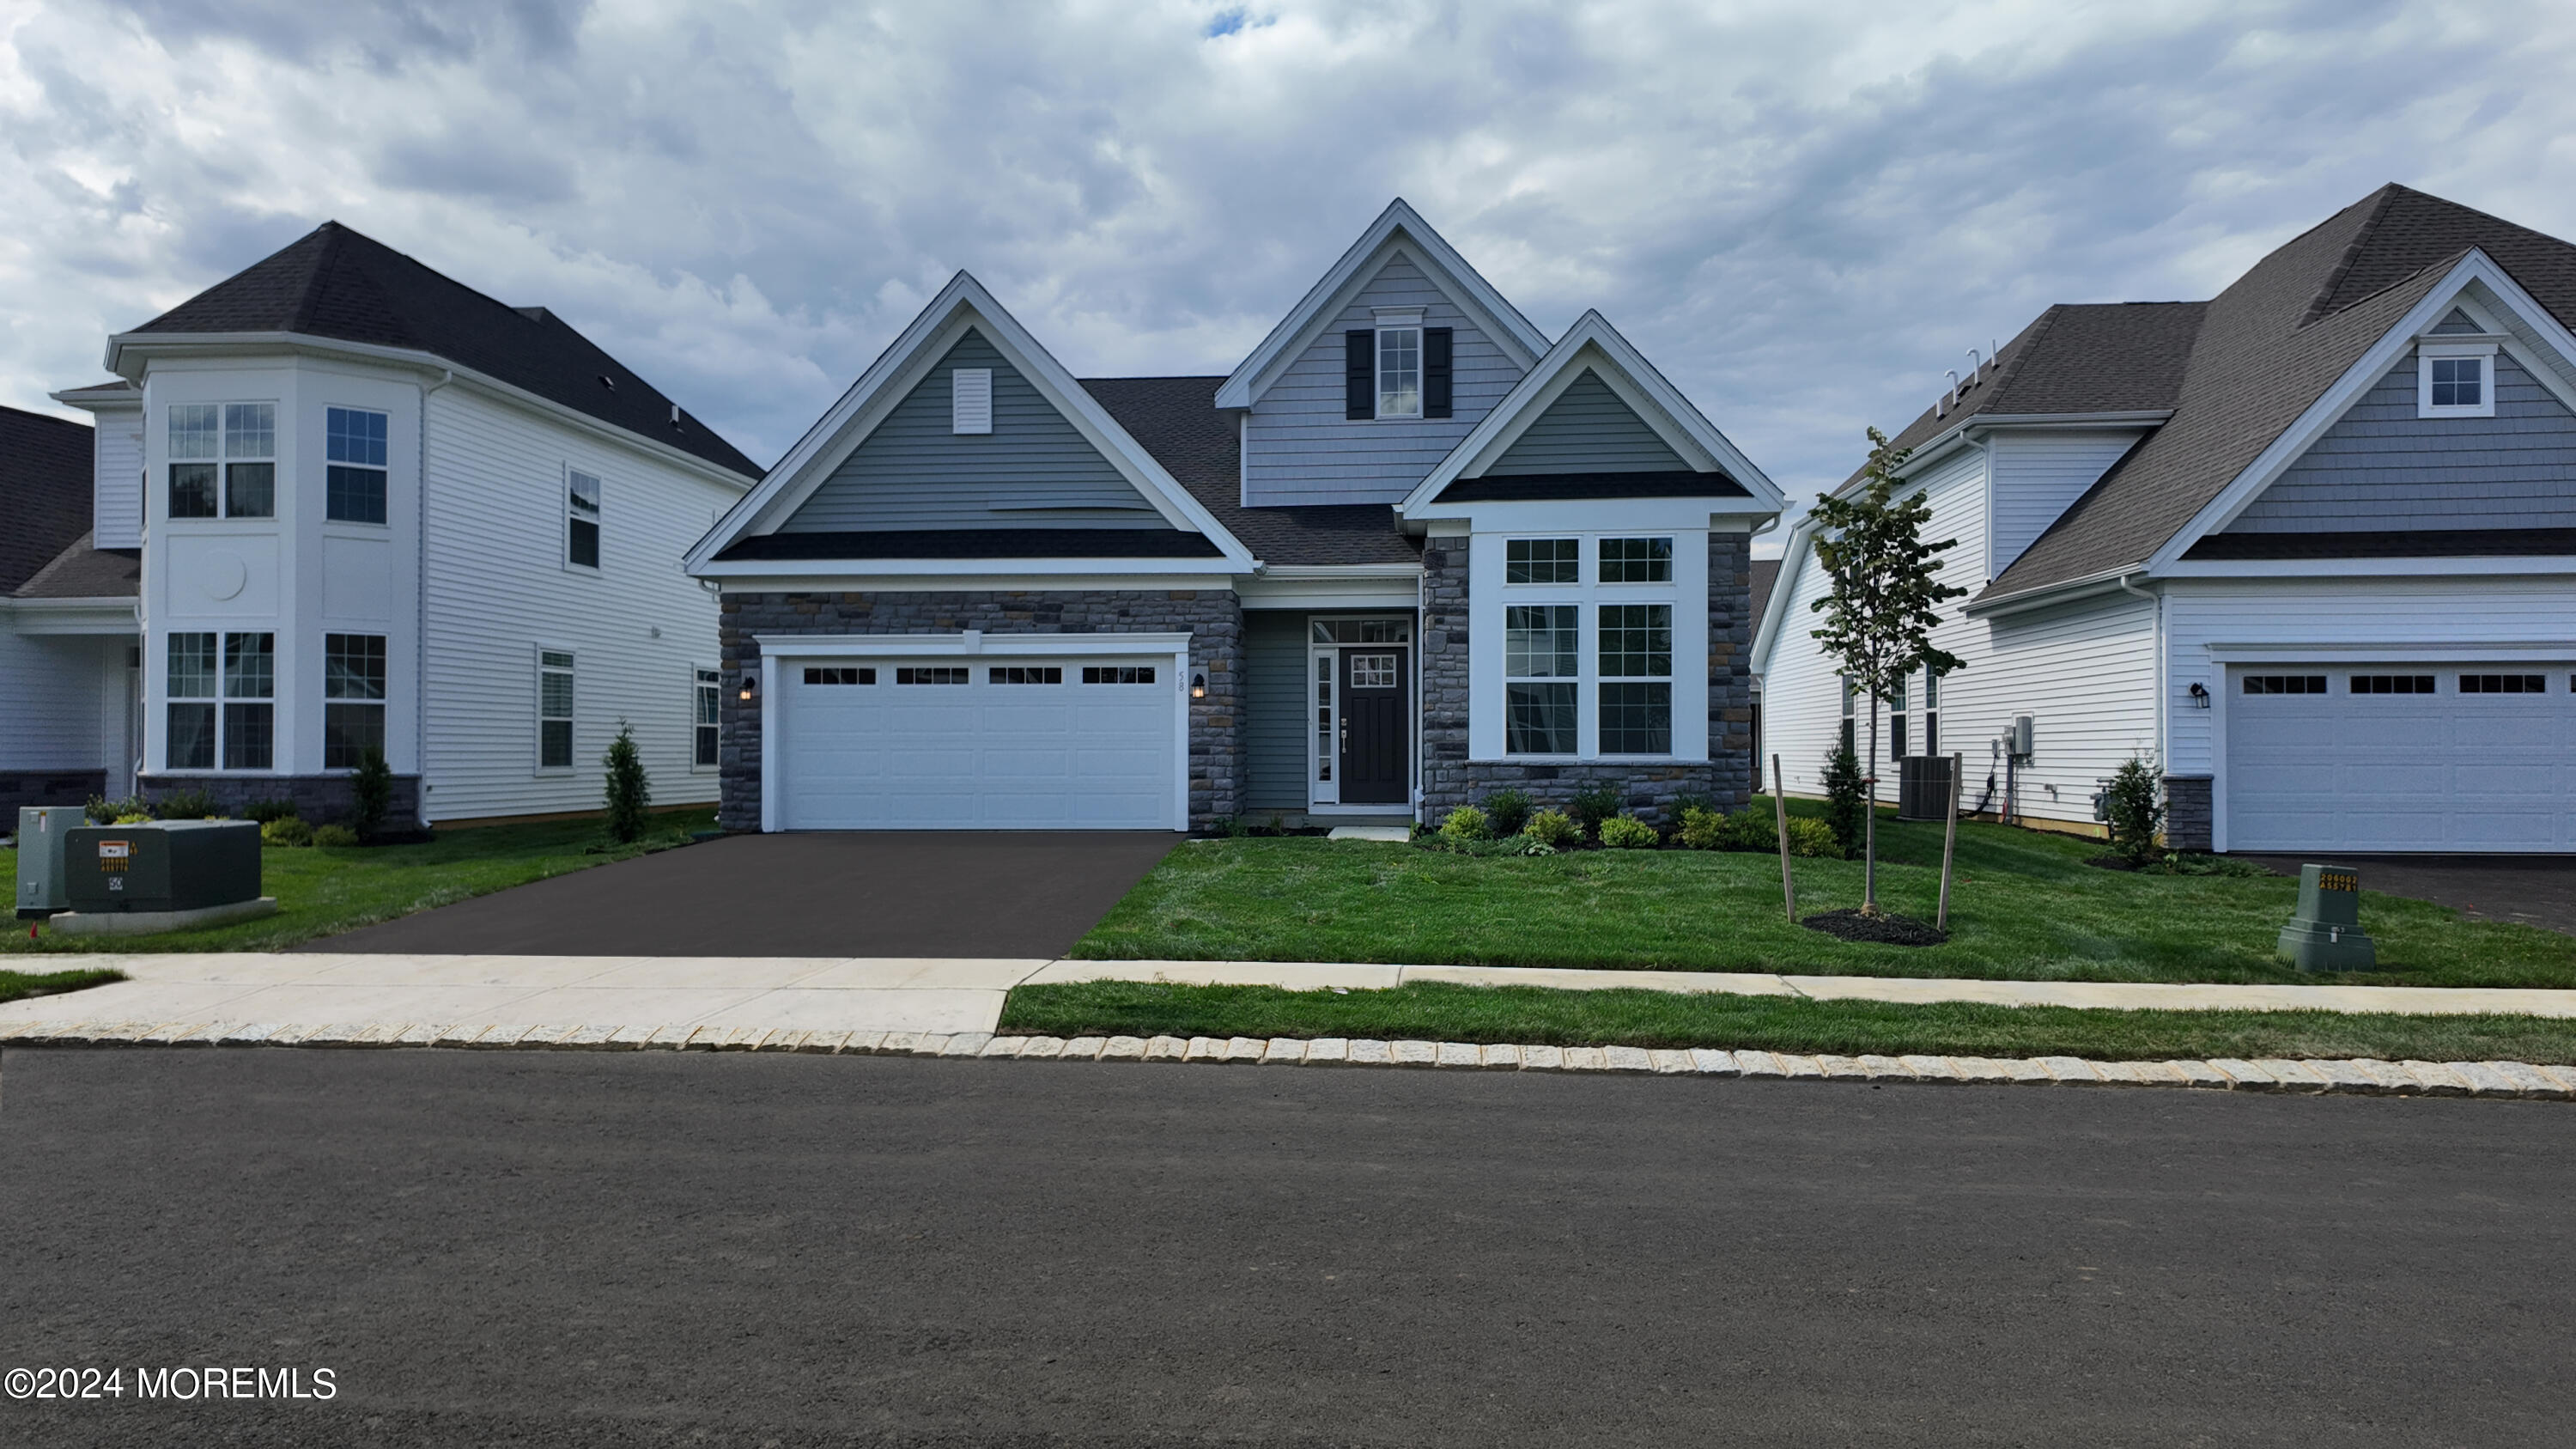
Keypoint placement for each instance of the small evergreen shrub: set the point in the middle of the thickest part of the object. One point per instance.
(186, 805)
(1703, 828)
(265, 811)
(371, 792)
(340, 835)
(1467, 823)
(285, 830)
(1593, 806)
(1507, 811)
(1626, 832)
(630, 793)
(1812, 838)
(1846, 800)
(1552, 828)
(2133, 805)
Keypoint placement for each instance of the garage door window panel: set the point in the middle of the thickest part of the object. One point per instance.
(2504, 684)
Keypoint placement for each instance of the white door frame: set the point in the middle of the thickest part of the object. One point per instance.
(1316, 803)
(777, 651)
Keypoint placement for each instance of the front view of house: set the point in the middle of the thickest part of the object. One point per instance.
(1412, 550)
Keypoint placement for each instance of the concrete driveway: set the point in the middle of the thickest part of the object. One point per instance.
(900, 894)
(2537, 890)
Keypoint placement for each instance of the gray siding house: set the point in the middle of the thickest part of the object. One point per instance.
(1412, 550)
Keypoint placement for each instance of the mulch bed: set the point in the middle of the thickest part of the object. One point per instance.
(1881, 930)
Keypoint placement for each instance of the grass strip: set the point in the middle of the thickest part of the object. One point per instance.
(1435, 1011)
(19, 985)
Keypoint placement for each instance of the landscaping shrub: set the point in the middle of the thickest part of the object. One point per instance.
(2132, 805)
(1552, 827)
(1507, 811)
(103, 811)
(1508, 845)
(185, 805)
(1703, 828)
(1812, 838)
(334, 835)
(131, 817)
(1593, 806)
(265, 811)
(1626, 832)
(1466, 823)
(371, 792)
(1846, 799)
(288, 830)
(630, 793)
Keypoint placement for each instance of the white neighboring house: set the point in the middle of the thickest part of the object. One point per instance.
(2310, 546)
(362, 505)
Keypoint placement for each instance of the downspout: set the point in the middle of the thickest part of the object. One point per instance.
(420, 607)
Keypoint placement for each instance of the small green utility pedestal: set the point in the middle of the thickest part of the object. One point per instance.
(2325, 933)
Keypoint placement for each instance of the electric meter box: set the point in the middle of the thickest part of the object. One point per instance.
(43, 830)
(2324, 933)
(168, 865)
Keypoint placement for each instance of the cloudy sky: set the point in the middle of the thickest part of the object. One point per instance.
(1803, 211)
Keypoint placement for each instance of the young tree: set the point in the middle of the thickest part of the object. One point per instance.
(630, 793)
(1886, 599)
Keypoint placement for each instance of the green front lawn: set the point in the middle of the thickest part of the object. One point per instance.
(17, 985)
(322, 891)
(1429, 1011)
(2025, 907)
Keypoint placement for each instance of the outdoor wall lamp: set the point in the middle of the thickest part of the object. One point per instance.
(1198, 686)
(2199, 695)
(749, 684)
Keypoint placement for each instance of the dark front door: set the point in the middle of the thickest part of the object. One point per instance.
(1373, 733)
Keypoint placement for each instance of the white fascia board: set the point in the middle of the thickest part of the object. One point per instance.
(100, 399)
(967, 568)
(963, 303)
(2050, 595)
(793, 583)
(971, 641)
(1592, 342)
(74, 616)
(1596, 515)
(2293, 443)
(2496, 565)
(2448, 651)
(149, 345)
(1447, 269)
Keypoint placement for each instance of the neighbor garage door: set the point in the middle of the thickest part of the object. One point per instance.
(2401, 758)
(978, 743)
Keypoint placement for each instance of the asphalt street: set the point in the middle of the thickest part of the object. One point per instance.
(610, 1249)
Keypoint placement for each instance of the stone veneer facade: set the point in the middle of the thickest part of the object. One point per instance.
(2188, 821)
(1213, 619)
(1451, 778)
(318, 799)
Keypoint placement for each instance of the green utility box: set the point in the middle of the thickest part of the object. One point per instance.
(168, 865)
(2325, 933)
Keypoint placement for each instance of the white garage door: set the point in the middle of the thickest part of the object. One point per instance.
(979, 744)
(2400, 758)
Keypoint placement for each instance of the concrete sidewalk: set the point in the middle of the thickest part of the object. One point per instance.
(952, 995)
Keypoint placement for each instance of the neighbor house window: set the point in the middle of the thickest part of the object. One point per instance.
(223, 460)
(1850, 699)
(354, 453)
(706, 696)
(1541, 657)
(581, 519)
(250, 692)
(1542, 561)
(190, 742)
(353, 699)
(1636, 679)
(554, 709)
(1636, 560)
(2455, 380)
(1399, 372)
(1931, 712)
(1896, 713)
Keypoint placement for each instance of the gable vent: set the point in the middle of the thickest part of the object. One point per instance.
(970, 400)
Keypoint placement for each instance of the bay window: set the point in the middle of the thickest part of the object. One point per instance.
(353, 699)
(1602, 694)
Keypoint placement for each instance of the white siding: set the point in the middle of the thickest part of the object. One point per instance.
(53, 702)
(1298, 446)
(2038, 476)
(2373, 614)
(499, 589)
(2085, 674)
(116, 499)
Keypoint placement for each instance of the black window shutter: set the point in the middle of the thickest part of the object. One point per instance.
(1435, 372)
(1359, 373)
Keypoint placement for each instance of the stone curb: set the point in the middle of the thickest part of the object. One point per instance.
(2364, 1077)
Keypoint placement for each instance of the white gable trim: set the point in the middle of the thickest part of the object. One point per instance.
(1775, 610)
(1398, 229)
(962, 304)
(2534, 338)
(1592, 342)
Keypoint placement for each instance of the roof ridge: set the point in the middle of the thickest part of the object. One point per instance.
(2322, 301)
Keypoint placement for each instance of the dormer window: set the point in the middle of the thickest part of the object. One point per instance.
(1399, 371)
(2455, 380)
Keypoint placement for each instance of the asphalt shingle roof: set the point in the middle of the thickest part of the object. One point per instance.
(337, 283)
(83, 572)
(1177, 421)
(45, 483)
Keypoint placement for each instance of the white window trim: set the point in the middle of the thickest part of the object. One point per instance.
(322, 690)
(537, 712)
(695, 685)
(223, 460)
(1396, 319)
(385, 468)
(2426, 352)
(1687, 593)
(598, 520)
